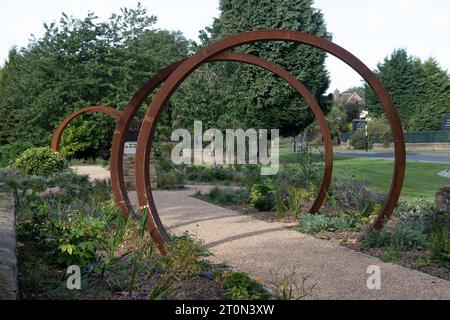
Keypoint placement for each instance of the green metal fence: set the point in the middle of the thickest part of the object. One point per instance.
(413, 137)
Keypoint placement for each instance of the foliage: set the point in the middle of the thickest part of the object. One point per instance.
(77, 238)
(439, 246)
(239, 286)
(351, 196)
(184, 257)
(254, 97)
(77, 63)
(40, 162)
(409, 236)
(358, 140)
(337, 121)
(262, 196)
(379, 128)
(228, 195)
(287, 287)
(406, 236)
(419, 89)
(10, 152)
(170, 180)
(377, 239)
(310, 223)
(292, 201)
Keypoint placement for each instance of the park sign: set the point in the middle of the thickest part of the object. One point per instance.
(445, 122)
(358, 124)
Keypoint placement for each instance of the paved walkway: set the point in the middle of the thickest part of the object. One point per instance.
(261, 248)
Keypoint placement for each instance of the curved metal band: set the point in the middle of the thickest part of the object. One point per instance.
(179, 75)
(56, 139)
(116, 162)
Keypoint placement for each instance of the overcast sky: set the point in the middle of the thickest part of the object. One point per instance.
(370, 29)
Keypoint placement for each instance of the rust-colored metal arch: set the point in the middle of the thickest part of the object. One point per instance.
(116, 162)
(154, 225)
(56, 139)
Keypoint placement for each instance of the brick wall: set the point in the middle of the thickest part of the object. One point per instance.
(129, 172)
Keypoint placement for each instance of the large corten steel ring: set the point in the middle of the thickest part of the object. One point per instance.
(56, 139)
(116, 162)
(147, 132)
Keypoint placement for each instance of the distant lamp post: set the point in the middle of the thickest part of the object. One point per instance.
(364, 115)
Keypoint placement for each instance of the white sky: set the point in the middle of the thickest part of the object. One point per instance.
(370, 29)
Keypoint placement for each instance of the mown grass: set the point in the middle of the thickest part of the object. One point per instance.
(421, 179)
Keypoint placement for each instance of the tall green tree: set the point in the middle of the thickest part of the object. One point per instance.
(77, 63)
(420, 90)
(232, 93)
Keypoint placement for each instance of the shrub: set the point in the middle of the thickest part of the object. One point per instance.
(310, 223)
(423, 212)
(262, 196)
(440, 247)
(79, 240)
(350, 195)
(379, 127)
(228, 195)
(40, 162)
(377, 239)
(409, 236)
(291, 201)
(239, 286)
(183, 257)
(358, 140)
(170, 180)
(10, 152)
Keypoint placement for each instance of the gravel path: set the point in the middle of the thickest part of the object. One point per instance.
(94, 172)
(261, 249)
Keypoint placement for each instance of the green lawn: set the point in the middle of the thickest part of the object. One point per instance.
(421, 178)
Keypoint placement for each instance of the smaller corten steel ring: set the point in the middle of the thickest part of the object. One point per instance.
(116, 163)
(56, 139)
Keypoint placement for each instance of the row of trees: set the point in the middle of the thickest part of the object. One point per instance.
(81, 62)
(419, 89)
(77, 63)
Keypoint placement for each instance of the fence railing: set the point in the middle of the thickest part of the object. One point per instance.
(413, 137)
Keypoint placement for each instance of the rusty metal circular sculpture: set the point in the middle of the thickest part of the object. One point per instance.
(118, 185)
(56, 139)
(154, 225)
(116, 162)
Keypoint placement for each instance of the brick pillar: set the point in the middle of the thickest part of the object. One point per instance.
(129, 172)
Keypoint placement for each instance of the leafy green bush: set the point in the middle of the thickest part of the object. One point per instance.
(290, 202)
(377, 239)
(310, 223)
(439, 246)
(10, 152)
(358, 140)
(40, 162)
(170, 180)
(228, 195)
(184, 257)
(406, 236)
(423, 212)
(262, 196)
(239, 286)
(409, 236)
